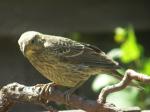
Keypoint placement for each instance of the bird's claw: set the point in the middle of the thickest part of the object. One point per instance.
(45, 88)
(44, 91)
(68, 94)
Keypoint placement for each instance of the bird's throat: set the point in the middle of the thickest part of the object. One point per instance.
(29, 53)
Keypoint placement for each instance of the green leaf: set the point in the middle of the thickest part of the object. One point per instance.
(114, 53)
(101, 81)
(125, 98)
(120, 34)
(75, 36)
(146, 67)
(130, 49)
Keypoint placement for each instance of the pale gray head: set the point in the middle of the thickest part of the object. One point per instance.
(30, 41)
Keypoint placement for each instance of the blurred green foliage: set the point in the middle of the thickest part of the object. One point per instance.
(131, 54)
(130, 49)
(75, 36)
(146, 66)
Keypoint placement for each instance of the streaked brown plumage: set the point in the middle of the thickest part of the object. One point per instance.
(64, 61)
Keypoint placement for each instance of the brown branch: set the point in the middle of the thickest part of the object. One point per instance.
(14, 92)
(128, 77)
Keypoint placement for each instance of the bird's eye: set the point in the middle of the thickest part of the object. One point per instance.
(33, 41)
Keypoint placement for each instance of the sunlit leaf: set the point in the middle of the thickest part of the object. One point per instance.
(120, 34)
(101, 81)
(75, 36)
(130, 48)
(115, 53)
(125, 98)
(146, 67)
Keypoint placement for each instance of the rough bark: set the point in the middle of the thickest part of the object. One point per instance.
(42, 94)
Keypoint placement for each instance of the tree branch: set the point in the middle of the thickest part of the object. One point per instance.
(128, 77)
(14, 92)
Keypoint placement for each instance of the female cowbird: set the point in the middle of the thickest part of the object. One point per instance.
(64, 61)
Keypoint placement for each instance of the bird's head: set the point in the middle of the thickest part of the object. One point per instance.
(30, 42)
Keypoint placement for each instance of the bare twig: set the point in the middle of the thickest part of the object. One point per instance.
(128, 77)
(14, 92)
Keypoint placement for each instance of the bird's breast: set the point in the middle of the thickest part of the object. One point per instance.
(56, 71)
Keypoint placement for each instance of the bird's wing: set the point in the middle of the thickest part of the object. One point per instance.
(84, 54)
(93, 56)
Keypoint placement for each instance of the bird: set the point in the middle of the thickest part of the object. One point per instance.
(64, 61)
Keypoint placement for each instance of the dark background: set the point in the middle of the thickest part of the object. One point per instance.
(95, 20)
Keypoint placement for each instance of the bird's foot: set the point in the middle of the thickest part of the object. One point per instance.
(68, 94)
(45, 90)
(46, 87)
